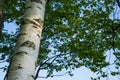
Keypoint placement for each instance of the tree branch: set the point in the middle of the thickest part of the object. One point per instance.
(2, 61)
(54, 58)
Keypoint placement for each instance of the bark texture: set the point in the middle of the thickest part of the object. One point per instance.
(23, 63)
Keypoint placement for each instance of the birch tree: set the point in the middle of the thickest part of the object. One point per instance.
(24, 61)
(80, 31)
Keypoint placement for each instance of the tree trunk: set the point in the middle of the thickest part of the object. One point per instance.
(23, 63)
(1, 16)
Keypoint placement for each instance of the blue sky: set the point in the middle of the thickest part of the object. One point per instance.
(79, 74)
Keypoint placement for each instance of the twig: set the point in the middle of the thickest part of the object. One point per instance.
(2, 67)
(54, 75)
(56, 56)
(2, 61)
(37, 73)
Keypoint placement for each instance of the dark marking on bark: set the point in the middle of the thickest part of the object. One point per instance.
(35, 27)
(19, 67)
(29, 44)
(39, 7)
(32, 76)
(39, 21)
(20, 53)
(38, 1)
(27, 7)
(37, 30)
(35, 63)
(34, 23)
(38, 35)
(27, 21)
(21, 34)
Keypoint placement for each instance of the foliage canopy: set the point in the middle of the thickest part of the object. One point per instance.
(76, 33)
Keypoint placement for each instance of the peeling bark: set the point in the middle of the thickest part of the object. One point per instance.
(24, 61)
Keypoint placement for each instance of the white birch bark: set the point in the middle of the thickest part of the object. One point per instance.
(24, 60)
